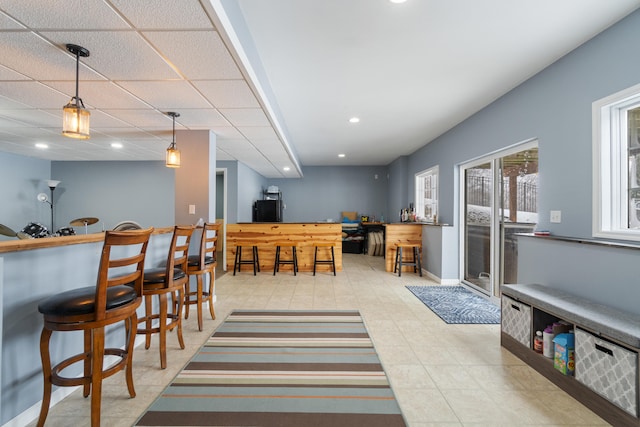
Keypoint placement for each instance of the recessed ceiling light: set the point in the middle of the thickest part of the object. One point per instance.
(42, 146)
(342, 155)
(354, 120)
(286, 168)
(116, 145)
(397, 1)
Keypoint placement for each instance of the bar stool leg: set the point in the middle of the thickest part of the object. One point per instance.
(315, 260)
(276, 264)
(254, 254)
(418, 260)
(333, 261)
(236, 262)
(295, 260)
(399, 254)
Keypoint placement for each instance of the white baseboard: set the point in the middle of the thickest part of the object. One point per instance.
(435, 278)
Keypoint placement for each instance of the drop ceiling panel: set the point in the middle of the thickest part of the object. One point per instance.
(119, 55)
(38, 118)
(224, 132)
(35, 58)
(67, 14)
(168, 95)
(9, 74)
(228, 93)
(184, 50)
(8, 23)
(206, 118)
(33, 94)
(142, 119)
(167, 14)
(100, 94)
(258, 132)
(245, 116)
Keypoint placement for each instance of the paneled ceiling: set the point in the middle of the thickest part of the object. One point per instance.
(277, 81)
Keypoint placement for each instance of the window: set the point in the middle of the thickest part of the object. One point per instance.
(616, 164)
(427, 195)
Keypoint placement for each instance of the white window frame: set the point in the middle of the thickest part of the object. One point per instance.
(610, 165)
(419, 196)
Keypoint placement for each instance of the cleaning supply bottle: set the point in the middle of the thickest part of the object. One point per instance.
(547, 342)
(538, 342)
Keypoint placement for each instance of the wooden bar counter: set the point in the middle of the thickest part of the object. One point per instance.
(402, 232)
(264, 234)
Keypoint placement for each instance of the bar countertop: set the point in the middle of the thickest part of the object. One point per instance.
(18, 245)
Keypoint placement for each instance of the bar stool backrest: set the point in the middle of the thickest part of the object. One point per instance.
(116, 268)
(209, 244)
(179, 251)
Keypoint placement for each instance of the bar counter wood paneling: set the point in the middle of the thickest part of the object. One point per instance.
(264, 235)
(405, 232)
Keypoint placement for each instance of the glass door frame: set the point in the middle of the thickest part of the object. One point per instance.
(496, 234)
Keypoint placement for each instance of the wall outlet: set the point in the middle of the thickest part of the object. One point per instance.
(556, 216)
(192, 209)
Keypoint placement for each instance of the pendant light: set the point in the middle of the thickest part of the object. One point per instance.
(75, 117)
(173, 154)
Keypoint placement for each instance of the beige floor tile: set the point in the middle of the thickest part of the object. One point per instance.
(442, 375)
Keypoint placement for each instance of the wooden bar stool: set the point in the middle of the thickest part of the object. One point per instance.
(115, 298)
(164, 282)
(200, 265)
(415, 261)
(317, 261)
(294, 256)
(254, 261)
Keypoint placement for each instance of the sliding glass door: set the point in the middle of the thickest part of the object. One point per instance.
(499, 199)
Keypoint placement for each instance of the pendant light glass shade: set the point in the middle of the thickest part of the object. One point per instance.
(75, 117)
(173, 154)
(75, 121)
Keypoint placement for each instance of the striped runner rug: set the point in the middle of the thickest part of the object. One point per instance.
(281, 368)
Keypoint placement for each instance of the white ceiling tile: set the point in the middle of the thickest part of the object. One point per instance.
(100, 94)
(225, 132)
(119, 55)
(258, 132)
(8, 23)
(245, 116)
(9, 74)
(167, 14)
(184, 50)
(228, 93)
(27, 54)
(67, 14)
(38, 118)
(167, 96)
(33, 94)
(205, 118)
(142, 119)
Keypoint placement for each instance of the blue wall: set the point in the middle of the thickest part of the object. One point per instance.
(22, 179)
(113, 192)
(324, 192)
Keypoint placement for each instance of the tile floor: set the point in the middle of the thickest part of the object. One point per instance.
(443, 375)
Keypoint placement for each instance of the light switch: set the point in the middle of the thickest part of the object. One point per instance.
(556, 216)
(192, 209)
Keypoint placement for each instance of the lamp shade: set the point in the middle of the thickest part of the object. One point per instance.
(173, 156)
(75, 121)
